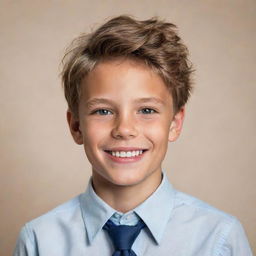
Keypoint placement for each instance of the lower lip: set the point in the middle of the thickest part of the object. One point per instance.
(125, 160)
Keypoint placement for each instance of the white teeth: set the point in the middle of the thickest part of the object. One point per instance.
(126, 153)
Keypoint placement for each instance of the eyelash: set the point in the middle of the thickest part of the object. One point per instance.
(100, 111)
(152, 111)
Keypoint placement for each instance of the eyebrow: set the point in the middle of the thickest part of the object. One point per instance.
(150, 100)
(91, 103)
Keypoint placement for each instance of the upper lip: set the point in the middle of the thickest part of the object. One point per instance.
(125, 149)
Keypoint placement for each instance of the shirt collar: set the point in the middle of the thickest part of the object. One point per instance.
(155, 211)
(95, 212)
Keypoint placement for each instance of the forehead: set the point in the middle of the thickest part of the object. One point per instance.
(124, 79)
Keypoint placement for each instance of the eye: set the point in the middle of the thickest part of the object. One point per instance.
(147, 111)
(102, 112)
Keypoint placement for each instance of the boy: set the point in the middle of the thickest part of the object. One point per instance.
(126, 85)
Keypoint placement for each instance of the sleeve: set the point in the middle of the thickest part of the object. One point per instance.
(25, 245)
(236, 243)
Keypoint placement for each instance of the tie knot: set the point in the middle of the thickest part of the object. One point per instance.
(123, 236)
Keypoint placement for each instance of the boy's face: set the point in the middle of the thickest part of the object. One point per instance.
(125, 122)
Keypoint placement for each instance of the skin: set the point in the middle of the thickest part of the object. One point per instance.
(125, 104)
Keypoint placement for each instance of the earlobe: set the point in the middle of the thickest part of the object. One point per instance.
(74, 127)
(176, 125)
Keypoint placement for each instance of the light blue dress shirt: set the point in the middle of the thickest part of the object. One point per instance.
(177, 225)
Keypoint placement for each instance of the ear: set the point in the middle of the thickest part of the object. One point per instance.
(74, 127)
(176, 125)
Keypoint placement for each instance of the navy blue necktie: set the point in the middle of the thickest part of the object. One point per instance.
(123, 237)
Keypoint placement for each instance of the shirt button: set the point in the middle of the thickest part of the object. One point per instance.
(122, 221)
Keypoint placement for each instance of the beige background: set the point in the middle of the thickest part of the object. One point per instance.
(213, 160)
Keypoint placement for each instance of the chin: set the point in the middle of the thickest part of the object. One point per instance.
(126, 180)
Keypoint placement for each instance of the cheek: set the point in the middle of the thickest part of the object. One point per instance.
(160, 124)
(93, 133)
(157, 133)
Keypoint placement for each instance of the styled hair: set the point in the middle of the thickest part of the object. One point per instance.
(152, 41)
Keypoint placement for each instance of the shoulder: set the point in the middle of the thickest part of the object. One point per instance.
(198, 211)
(208, 221)
(60, 216)
(51, 226)
(195, 206)
(202, 216)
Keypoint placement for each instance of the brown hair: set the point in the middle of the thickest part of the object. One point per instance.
(154, 42)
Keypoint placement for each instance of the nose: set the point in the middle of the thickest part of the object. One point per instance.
(125, 127)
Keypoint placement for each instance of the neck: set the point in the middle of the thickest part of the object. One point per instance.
(124, 198)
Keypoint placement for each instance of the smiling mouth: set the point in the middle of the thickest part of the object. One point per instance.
(126, 154)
